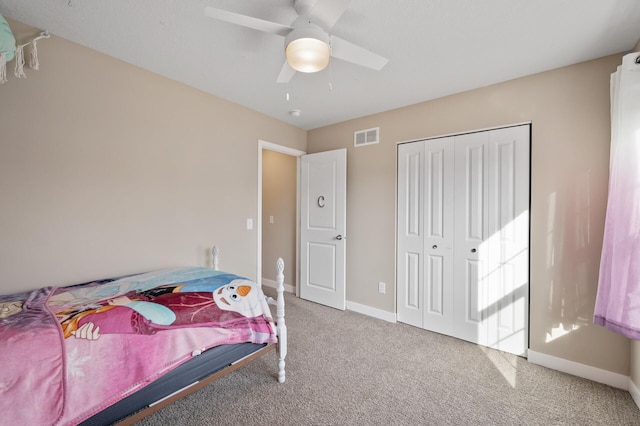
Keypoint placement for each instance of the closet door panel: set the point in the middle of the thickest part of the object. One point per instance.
(439, 190)
(471, 253)
(410, 300)
(509, 242)
(472, 169)
(435, 277)
(438, 241)
(472, 315)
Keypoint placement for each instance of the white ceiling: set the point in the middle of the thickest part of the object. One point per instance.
(435, 47)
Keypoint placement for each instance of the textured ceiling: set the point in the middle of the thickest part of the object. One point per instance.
(435, 47)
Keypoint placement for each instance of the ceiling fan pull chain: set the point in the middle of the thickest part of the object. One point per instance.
(330, 76)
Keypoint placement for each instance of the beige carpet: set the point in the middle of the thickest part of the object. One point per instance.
(345, 368)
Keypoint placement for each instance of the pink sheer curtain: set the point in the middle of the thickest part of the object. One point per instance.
(618, 300)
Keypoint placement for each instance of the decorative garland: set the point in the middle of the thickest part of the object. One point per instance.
(8, 50)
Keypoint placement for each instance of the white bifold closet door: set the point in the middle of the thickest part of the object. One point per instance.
(463, 236)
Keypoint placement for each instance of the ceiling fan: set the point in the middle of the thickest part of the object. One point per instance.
(308, 43)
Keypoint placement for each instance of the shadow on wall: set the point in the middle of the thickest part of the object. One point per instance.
(572, 271)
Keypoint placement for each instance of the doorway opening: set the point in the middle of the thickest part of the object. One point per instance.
(278, 213)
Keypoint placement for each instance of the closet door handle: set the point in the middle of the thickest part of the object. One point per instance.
(339, 237)
(434, 246)
(473, 250)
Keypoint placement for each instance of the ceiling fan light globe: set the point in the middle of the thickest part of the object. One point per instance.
(308, 54)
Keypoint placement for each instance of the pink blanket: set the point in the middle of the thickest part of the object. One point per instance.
(70, 352)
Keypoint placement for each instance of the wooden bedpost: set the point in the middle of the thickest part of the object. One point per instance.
(214, 257)
(281, 328)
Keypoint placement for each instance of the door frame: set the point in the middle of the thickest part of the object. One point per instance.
(269, 146)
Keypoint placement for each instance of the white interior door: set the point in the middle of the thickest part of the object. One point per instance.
(491, 282)
(410, 297)
(507, 304)
(471, 219)
(323, 201)
(425, 234)
(463, 236)
(439, 235)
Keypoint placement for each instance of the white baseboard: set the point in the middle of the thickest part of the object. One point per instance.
(352, 306)
(372, 312)
(581, 370)
(274, 284)
(635, 393)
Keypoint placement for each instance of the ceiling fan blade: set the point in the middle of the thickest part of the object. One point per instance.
(247, 21)
(327, 12)
(286, 73)
(350, 52)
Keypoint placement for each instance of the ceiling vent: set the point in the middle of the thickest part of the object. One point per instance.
(366, 137)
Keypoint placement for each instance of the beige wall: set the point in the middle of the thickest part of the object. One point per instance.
(108, 169)
(279, 174)
(569, 111)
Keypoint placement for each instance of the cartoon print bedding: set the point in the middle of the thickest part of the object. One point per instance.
(67, 353)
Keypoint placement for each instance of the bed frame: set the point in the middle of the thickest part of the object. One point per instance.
(239, 356)
(281, 327)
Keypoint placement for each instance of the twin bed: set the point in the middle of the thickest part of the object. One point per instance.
(117, 349)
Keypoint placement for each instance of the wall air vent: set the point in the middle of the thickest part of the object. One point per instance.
(366, 137)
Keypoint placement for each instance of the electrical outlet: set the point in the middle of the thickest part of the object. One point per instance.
(381, 287)
(271, 220)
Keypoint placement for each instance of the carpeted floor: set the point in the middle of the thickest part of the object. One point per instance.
(345, 368)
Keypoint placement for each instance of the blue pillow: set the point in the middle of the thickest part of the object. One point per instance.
(7, 40)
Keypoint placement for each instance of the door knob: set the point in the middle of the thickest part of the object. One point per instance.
(473, 250)
(339, 237)
(434, 246)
